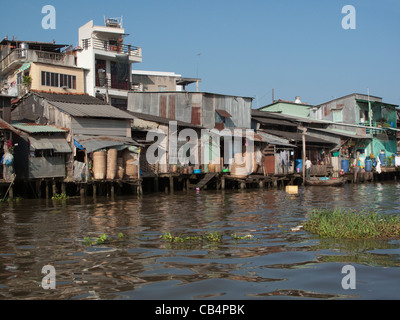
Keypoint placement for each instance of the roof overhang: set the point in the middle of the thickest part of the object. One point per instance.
(57, 144)
(93, 143)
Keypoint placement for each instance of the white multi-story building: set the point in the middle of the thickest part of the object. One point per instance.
(107, 61)
(161, 81)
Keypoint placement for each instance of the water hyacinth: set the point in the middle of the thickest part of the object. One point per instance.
(353, 224)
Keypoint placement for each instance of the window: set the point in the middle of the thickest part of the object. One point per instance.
(51, 79)
(337, 115)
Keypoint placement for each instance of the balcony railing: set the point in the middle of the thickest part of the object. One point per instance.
(19, 56)
(112, 47)
(113, 84)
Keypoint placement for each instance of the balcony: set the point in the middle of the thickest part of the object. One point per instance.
(18, 56)
(112, 48)
(113, 84)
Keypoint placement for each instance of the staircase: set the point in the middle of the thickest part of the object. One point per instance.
(207, 178)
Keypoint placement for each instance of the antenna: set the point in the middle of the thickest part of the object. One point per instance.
(197, 65)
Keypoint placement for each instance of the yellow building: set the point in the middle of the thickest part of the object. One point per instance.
(58, 79)
(39, 66)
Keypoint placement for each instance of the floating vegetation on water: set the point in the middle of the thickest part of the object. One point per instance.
(59, 196)
(353, 224)
(104, 238)
(214, 237)
(16, 199)
(245, 237)
(210, 237)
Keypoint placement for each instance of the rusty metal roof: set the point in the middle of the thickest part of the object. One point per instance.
(224, 113)
(91, 110)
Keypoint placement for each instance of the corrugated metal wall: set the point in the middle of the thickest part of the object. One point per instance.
(102, 127)
(192, 107)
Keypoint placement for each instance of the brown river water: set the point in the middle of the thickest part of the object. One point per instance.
(273, 262)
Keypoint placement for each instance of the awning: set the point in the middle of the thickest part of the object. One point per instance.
(93, 143)
(57, 144)
(223, 113)
(25, 66)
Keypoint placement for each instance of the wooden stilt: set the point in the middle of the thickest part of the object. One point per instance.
(112, 191)
(171, 184)
(94, 189)
(53, 187)
(47, 189)
(11, 193)
(155, 184)
(81, 191)
(39, 188)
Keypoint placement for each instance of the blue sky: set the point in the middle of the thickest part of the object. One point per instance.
(246, 48)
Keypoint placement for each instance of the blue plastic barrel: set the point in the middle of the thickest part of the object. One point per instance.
(382, 159)
(368, 165)
(346, 165)
(299, 165)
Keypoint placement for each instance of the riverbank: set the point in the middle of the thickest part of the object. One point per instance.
(169, 183)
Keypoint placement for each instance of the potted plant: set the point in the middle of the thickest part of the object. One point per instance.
(27, 81)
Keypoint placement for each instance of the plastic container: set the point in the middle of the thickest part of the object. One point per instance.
(368, 165)
(345, 165)
(382, 159)
(299, 165)
(197, 171)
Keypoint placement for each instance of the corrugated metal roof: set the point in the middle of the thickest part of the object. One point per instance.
(162, 120)
(274, 139)
(297, 136)
(343, 133)
(57, 144)
(91, 110)
(69, 97)
(93, 143)
(37, 128)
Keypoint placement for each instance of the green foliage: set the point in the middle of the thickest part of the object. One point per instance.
(352, 224)
(104, 238)
(210, 237)
(245, 237)
(60, 196)
(27, 80)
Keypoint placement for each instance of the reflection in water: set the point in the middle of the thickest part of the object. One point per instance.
(274, 262)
